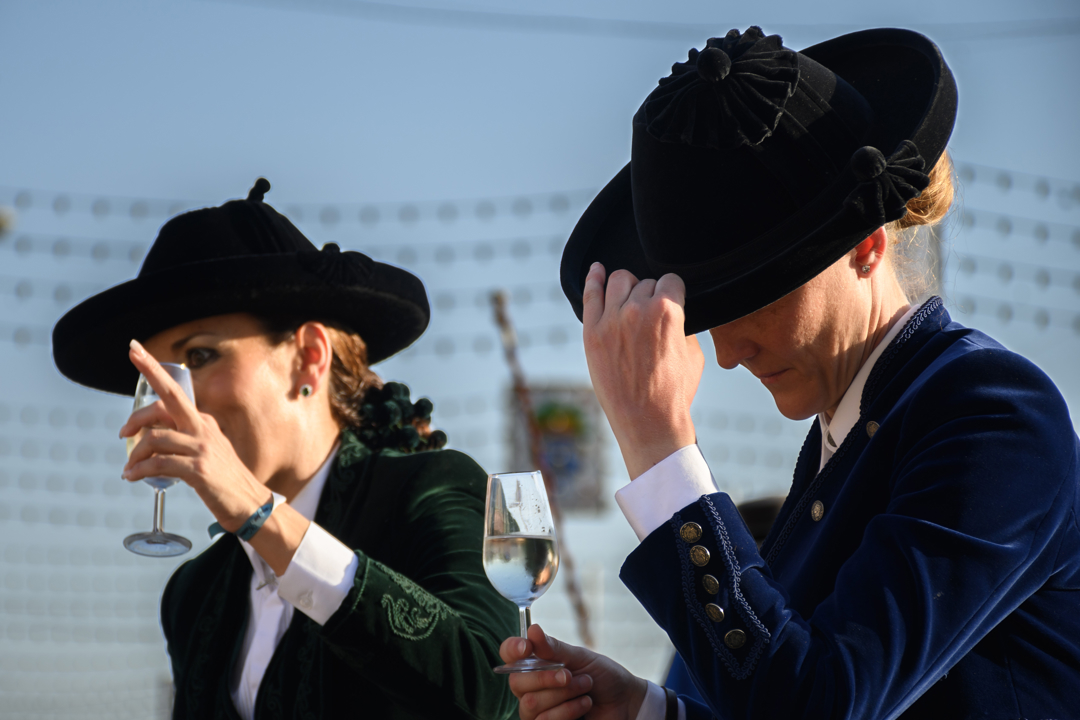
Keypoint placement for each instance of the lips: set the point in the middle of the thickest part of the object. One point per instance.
(770, 378)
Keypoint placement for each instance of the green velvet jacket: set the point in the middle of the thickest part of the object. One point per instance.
(416, 637)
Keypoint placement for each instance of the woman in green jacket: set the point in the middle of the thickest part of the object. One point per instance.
(368, 529)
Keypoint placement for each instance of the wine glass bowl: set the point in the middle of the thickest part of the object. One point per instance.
(521, 552)
(157, 542)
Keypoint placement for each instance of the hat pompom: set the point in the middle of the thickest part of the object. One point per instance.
(262, 186)
(867, 163)
(728, 95)
(713, 64)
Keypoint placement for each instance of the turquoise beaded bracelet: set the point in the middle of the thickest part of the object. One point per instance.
(250, 526)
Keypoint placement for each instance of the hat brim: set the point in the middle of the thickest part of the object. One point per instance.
(874, 62)
(90, 342)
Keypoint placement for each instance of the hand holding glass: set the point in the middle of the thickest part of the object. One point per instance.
(157, 542)
(521, 555)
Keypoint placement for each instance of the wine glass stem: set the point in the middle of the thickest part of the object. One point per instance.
(525, 613)
(159, 509)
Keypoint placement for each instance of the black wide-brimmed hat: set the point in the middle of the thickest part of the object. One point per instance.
(754, 167)
(240, 257)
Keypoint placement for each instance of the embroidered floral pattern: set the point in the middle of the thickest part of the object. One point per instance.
(414, 617)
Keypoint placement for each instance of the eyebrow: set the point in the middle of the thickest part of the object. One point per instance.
(185, 340)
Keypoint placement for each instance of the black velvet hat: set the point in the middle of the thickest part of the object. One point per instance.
(754, 167)
(240, 257)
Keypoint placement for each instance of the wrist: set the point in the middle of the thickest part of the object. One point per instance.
(642, 456)
(639, 688)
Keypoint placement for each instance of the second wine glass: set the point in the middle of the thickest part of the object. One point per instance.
(521, 552)
(157, 542)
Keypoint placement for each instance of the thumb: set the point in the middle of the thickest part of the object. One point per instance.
(548, 648)
(672, 287)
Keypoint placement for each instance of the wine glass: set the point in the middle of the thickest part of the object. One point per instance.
(157, 542)
(521, 554)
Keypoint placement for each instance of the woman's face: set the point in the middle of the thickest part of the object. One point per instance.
(806, 347)
(246, 383)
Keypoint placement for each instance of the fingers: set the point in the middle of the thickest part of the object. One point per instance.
(160, 441)
(672, 286)
(154, 415)
(534, 682)
(561, 704)
(548, 648)
(619, 286)
(172, 466)
(513, 649)
(176, 401)
(593, 297)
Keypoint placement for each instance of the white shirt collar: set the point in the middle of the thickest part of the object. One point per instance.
(847, 412)
(306, 503)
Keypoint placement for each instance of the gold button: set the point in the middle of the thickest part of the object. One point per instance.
(817, 510)
(871, 428)
(699, 556)
(715, 612)
(735, 639)
(690, 532)
(712, 585)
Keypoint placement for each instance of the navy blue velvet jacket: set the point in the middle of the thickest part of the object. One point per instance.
(939, 577)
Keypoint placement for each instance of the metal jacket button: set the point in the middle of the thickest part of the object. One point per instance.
(690, 532)
(735, 639)
(817, 510)
(712, 585)
(715, 612)
(699, 555)
(871, 428)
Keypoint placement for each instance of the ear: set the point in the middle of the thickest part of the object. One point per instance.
(870, 252)
(314, 355)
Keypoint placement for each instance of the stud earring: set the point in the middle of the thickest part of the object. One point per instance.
(305, 390)
(866, 269)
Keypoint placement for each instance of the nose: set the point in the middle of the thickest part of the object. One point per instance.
(732, 346)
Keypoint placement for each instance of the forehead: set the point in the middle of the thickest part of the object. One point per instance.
(222, 327)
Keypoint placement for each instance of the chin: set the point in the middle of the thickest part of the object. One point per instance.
(794, 408)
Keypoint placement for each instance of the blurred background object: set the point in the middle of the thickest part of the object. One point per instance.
(461, 140)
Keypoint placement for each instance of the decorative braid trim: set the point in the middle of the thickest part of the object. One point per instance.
(876, 374)
(916, 321)
(738, 670)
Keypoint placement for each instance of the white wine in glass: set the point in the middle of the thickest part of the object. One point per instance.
(157, 542)
(521, 553)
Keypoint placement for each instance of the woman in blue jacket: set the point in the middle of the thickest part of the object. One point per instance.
(926, 563)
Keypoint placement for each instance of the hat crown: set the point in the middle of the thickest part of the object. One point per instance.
(234, 229)
(703, 149)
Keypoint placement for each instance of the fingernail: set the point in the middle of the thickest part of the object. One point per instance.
(521, 647)
(594, 266)
(125, 475)
(137, 348)
(562, 677)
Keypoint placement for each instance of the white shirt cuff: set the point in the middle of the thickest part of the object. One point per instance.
(655, 705)
(320, 575)
(664, 489)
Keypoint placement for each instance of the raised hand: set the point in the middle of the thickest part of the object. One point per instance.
(590, 685)
(179, 441)
(644, 369)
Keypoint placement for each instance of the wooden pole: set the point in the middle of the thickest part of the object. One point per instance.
(524, 400)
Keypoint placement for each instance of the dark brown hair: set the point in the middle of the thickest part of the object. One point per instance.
(380, 414)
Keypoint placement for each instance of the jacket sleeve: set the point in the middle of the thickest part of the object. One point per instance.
(428, 630)
(982, 471)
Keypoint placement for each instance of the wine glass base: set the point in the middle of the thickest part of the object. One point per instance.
(529, 664)
(157, 544)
